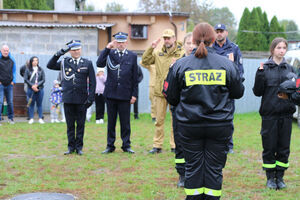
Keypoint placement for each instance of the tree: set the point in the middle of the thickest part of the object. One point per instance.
(242, 37)
(275, 29)
(114, 7)
(290, 26)
(26, 4)
(224, 16)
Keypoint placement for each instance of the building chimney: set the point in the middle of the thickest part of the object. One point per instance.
(64, 6)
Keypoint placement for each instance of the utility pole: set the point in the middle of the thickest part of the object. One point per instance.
(1, 4)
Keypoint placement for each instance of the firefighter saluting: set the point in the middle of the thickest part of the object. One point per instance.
(76, 96)
(201, 86)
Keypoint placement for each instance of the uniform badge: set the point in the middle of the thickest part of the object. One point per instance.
(67, 73)
(70, 69)
(161, 54)
(78, 70)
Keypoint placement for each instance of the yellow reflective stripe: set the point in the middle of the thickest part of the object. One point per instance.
(180, 160)
(269, 165)
(211, 192)
(205, 77)
(194, 191)
(281, 164)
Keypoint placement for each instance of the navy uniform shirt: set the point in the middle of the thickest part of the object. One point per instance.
(230, 47)
(75, 79)
(122, 74)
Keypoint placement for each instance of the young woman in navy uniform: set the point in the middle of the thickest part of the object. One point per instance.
(75, 72)
(201, 86)
(120, 89)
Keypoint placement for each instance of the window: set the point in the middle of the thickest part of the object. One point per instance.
(139, 31)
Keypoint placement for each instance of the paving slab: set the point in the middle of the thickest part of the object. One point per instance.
(44, 196)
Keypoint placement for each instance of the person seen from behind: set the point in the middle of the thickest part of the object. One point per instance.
(201, 86)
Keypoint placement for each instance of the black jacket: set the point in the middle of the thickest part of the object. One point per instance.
(40, 77)
(266, 85)
(120, 84)
(75, 90)
(202, 89)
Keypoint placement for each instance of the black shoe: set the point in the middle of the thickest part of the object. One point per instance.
(231, 151)
(280, 184)
(107, 151)
(181, 181)
(173, 150)
(136, 117)
(129, 150)
(271, 184)
(153, 119)
(69, 152)
(155, 150)
(79, 152)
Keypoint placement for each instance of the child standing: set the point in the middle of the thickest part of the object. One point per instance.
(99, 99)
(56, 101)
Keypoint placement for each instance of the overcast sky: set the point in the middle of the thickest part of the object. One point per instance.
(283, 9)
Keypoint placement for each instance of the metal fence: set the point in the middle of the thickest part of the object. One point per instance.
(248, 103)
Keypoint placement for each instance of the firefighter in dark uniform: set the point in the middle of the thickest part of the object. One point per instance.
(201, 86)
(224, 47)
(77, 97)
(276, 114)
(120, 88)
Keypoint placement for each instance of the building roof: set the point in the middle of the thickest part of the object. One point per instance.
(102, 26)
(183, 14)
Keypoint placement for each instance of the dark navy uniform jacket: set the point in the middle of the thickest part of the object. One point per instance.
(120, 84)
(75, 90)
(267, 82)
(230, 47)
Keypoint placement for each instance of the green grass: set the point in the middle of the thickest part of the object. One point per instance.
(32, 160)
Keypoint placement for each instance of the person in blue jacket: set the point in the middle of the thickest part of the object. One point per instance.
(224, 47)
(121, 88)
(7, 81)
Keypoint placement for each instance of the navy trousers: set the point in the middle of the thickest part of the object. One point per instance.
(75, 113)
(115, 108)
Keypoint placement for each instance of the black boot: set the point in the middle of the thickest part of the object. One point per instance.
(181, 181)
(279, 179)
(271, 180)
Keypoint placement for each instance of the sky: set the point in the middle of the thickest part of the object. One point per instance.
(286, 9)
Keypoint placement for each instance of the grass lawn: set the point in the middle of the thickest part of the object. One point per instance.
(32, 160)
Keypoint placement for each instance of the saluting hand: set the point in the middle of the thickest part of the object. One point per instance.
(111, 45)
(155, 43)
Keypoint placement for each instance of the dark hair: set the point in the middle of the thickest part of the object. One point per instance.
(275, 42)
(203, 35)
(30, 63)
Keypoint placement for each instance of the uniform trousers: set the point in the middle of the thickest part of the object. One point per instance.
(179, 156)
(100, 106)
(276, 138)
(205, 152)
(75, 113)
(161, 108)
(152, 99)
(115, 107)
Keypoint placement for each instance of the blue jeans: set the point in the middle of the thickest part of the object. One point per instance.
(37, 97)
(8, 92)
